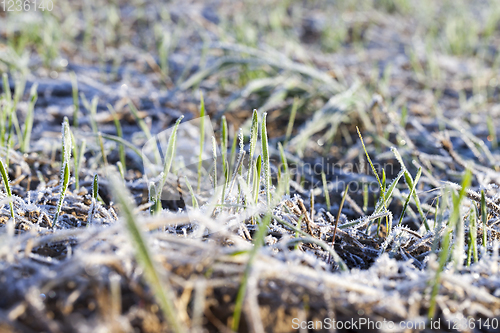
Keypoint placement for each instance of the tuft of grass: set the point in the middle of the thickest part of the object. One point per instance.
(381, 203)
(226, 182)
(239, 163)
(265, 159)
(384, 197)
(65, 173)
(161, 288)
(410, 182)
(404, 116)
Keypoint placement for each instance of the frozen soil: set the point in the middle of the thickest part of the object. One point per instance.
(77, 277)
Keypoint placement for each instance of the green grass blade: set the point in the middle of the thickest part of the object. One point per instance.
(123, 142)
(214, 157)
(373, 168)
(103, 151)
(484, 218)
(169, 157)
(191, 192)
(291, 121)
(152, 195)
(286, 175)
(28, 123)
(145, 129)
(365, 197)
(232, 156)
(256, 179)
(254, 129)
(445, 247)
(325, 191)
(257, 244)
(95, 195)
(380, 204)
(265, 159)
(75, 160)
(202, 138)
(65, 172)
(226, 181)
(121, 169)
(223, 143)
(76, 104)
(119, 133)
(409, 182)
(472, 245)
(78, 162)
(6, 87)
(95, 186)
(412, 191)
(5, 178)
(160, 287)
(239, 163)
(139, 120)
(299, 224)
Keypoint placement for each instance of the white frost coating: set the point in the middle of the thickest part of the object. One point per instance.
(240, 140)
